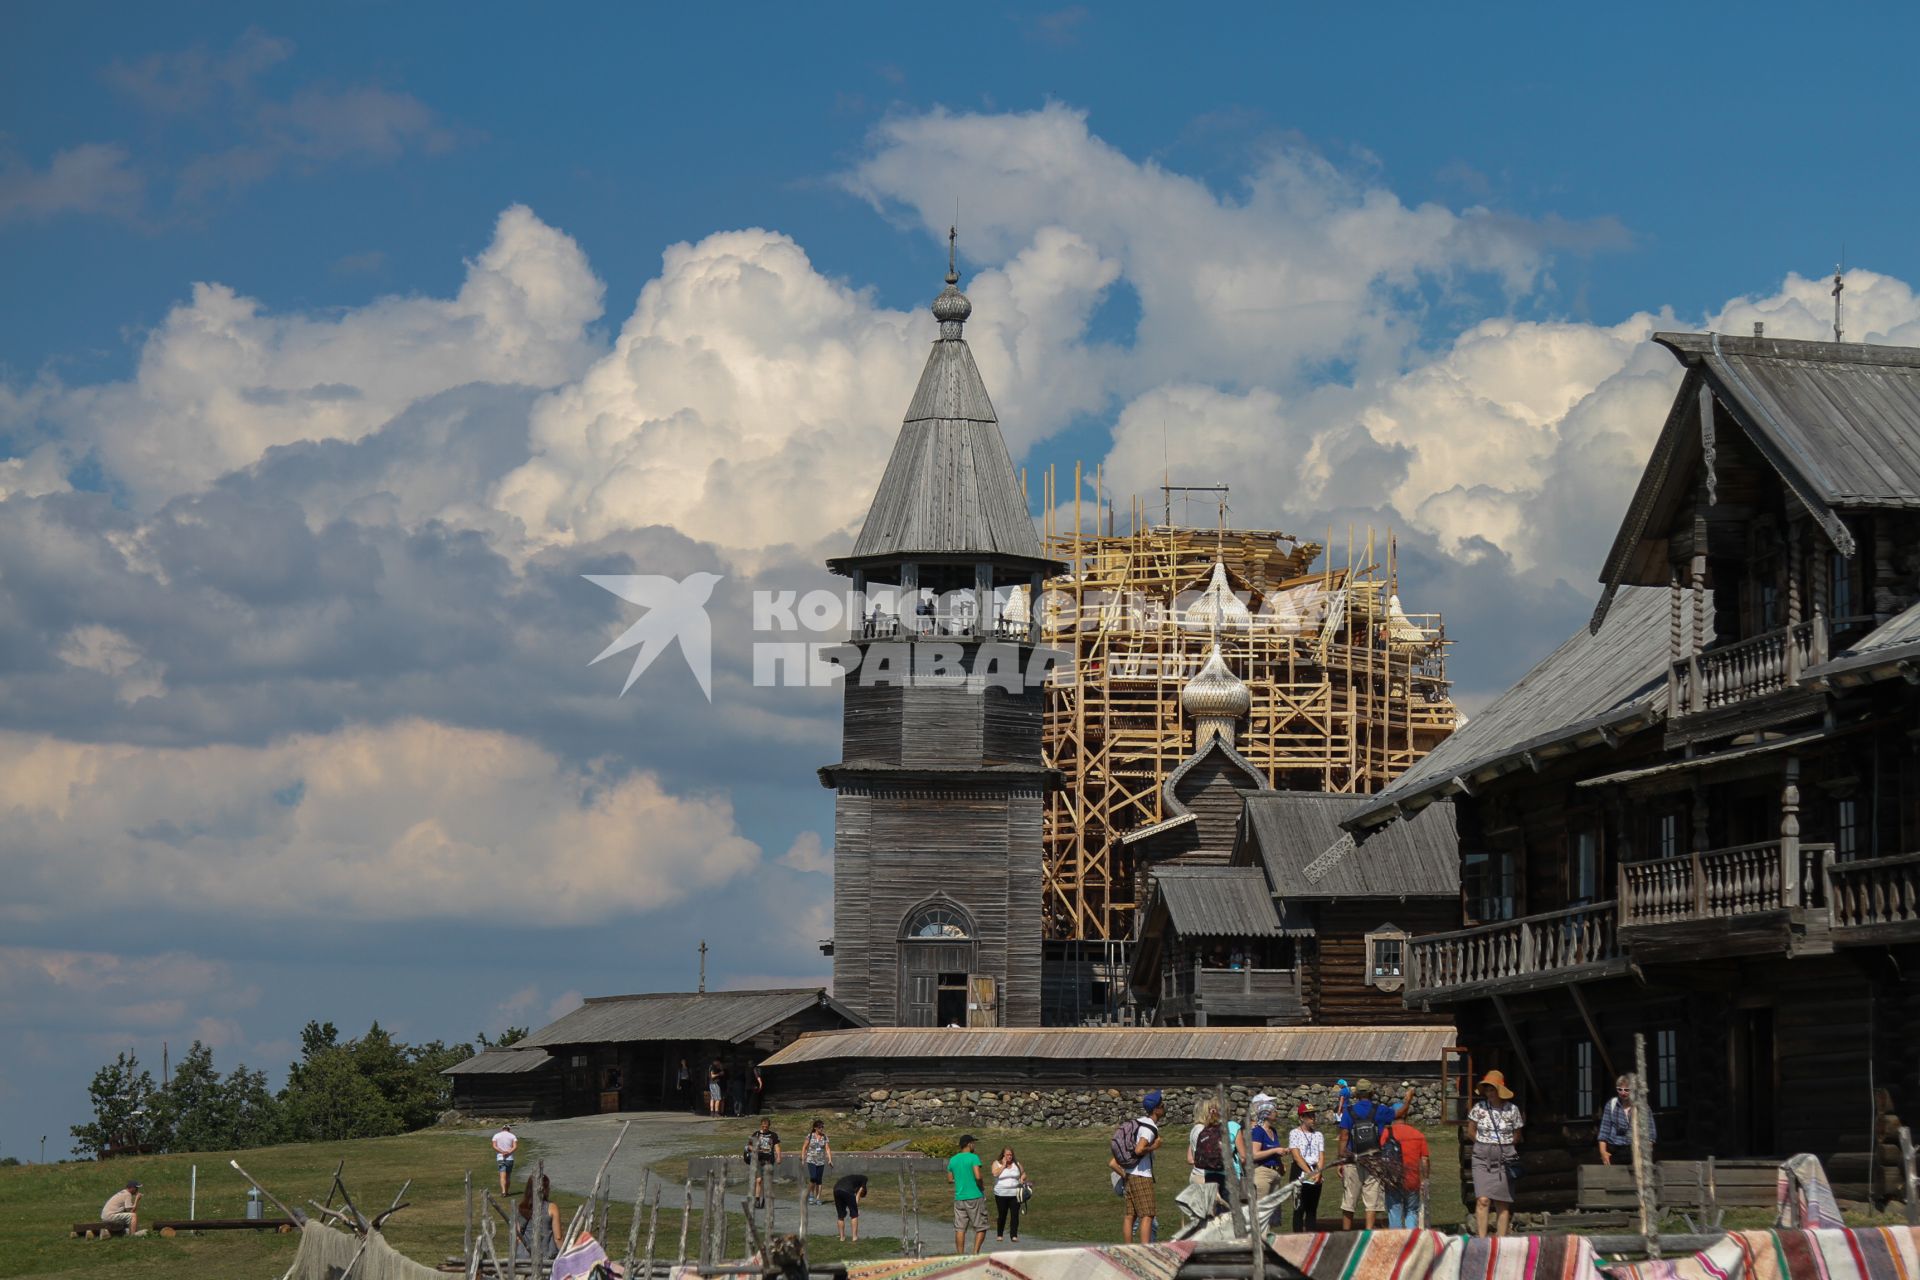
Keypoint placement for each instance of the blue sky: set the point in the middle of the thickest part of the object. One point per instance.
(338, 345)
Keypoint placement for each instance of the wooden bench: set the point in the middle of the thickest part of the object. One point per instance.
(1680, 1184)
(96, 1230)
(174, 1227)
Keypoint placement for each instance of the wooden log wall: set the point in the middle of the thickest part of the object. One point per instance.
(1334, 981)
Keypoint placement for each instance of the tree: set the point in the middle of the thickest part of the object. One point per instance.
(125, 1117)
(330, 1100)
(207, 1113)
(512, 1035)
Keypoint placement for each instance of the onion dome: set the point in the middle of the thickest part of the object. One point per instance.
(951, 308)
(1218, 608)
(1217, 700)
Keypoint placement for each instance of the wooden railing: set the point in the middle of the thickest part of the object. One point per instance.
(1554, 945)
(1750, 668)
(1875, 892)
(1722, 883)
(1185, 980)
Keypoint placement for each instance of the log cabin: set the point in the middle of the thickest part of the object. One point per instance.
(1260, 910)
(1698, 820)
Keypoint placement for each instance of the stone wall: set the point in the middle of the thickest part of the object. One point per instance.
(1061, 1108)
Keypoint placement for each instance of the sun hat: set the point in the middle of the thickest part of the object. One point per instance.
(1499, 1082)
(1363, 1085)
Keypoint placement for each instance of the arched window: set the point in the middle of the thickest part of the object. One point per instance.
(939, 921)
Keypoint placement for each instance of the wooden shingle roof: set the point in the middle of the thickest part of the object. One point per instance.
(1306, 855)
(1217, 902)
(1280, 1047)
(731, 1016)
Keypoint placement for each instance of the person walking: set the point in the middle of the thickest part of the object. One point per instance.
(716, 1086)
(1307, 1148)
(847, 1195)
(1405, 1174)
(816, 1153)
(1616, 1125)
(505, 1143)
(763, 1150)
(1009, 1192)
(1493, 1128)
(1363, 1121)
(969, 1196)
(122, 1208)
(1136, 1173)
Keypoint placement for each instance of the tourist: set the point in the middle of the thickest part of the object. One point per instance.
(1493, 1126)
(1406, 1177)
(763, 1152)
(504, 1145)
(1307, 1147)
(122, 1208)
(816, 1153)
(1616, 1125)
(716, 1085)
(1206, 1148)
(1009, 1191)
(847, 1195)
(969, 1196)
(759, 1090)
(1265, 1153)
(1137, 1174)
(737, 1089)
(683, 1084)
(549, 1234)
(1362, 1122)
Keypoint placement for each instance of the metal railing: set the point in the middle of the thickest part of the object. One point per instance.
(1552, 944)
(1752, 668)
(1722, 883)
(1873, 892)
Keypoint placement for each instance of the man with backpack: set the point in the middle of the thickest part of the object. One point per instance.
(1366, 1142)
(1130, 1157)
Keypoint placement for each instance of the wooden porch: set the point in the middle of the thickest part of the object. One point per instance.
(1750, 899)
(1527, 954)
(1875, 900)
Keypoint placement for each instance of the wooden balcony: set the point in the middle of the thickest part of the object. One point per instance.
(1548, 950)
(1749, 899)
(1757, 667)
(1875, 900)
(1190, 993)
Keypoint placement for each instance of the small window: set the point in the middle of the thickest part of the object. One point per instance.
(937, 922)
(1488, 879)
(1840, 573)
(1666, 1068)
(1583, 1100)
(1846, 829)
(1387, 958)
(1667, 840)
(1583, 875)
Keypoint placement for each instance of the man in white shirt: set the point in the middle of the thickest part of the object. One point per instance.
(123, 1208)
(1308, 1148)
(504, 1145)
(1138, 1185)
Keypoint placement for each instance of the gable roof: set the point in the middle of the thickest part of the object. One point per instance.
(1306, 855)
(731, 1016)
(1217, 902)
(1838, 421)
(1345, 1047)
(949, 487)
(1598, 683)
(511, 1060)
(1879, 653)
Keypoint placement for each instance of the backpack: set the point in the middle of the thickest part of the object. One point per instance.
(1125, 1146)
(1363, 1135)
(1206, 1150)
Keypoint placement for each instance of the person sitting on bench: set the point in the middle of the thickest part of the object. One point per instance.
(122, 1209)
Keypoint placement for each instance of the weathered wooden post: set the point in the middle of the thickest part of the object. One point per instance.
(466, 1236)
(1642, 1155)
(1910, 1180)
(1426, 1173)
(913, 1184)
(537, 1223)
(653, 1226)
(686, 1216)
(633, 1228)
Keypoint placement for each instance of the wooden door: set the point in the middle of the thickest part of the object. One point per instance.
(1754, 1073)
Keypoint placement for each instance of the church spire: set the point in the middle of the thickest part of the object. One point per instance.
(951, 308)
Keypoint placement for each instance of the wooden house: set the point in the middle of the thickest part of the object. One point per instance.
(1698, 821)
(1259, 909)
(622, 1053)
(937, 847)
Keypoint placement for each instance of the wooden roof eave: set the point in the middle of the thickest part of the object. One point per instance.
(1653, 493)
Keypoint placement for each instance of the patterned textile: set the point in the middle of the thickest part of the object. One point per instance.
(1803, 1195)
(1868, 1253)
(1093, 1262)
(325, 1253)
(1361, 1255)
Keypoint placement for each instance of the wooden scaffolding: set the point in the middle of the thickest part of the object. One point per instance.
(1348, 689)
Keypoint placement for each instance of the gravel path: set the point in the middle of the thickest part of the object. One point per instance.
(574, 1148)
